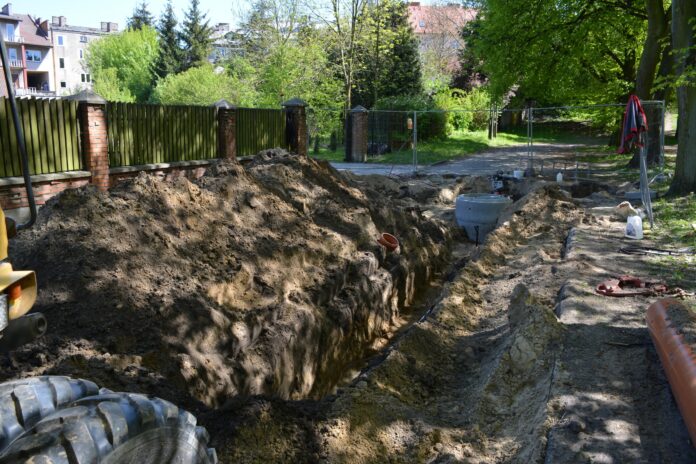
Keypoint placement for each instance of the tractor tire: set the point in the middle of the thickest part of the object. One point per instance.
(24, 402)
(111, 428)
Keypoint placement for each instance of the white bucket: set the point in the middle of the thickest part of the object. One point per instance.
(634, 227)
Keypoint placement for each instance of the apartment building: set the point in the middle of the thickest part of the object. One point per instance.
(69, 49)
(30, 53)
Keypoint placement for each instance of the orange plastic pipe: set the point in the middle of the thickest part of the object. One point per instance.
(678, 361)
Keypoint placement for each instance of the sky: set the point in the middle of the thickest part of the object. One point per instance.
(90, 13)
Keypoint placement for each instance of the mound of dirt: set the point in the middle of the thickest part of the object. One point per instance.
(258, 280)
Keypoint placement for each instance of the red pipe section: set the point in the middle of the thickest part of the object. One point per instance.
(678, 360)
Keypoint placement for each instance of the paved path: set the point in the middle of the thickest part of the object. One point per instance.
(485, 163)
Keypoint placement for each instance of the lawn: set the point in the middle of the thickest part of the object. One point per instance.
(457, 145)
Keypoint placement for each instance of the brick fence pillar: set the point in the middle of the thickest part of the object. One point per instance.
(296, 125)
(95, 147)
(227, 129)
(356, 152)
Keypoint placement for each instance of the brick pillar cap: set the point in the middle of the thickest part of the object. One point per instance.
(87, 96)
(359, 109)
(224, 104)
(295, 102)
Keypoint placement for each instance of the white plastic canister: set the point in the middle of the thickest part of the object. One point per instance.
(634, 227)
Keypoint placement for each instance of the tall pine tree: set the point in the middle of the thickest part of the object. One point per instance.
(389, 63)
(169, 60)
(403, 68)
(141, 17)
(196, 37)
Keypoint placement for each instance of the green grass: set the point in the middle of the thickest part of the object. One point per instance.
(674, 218)
(457, 145)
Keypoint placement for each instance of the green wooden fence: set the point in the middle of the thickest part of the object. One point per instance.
(259, 129)
(149, 134)
(51, 136)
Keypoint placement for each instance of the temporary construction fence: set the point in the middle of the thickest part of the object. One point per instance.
(326, 132)
(543, 138)
(51, 136)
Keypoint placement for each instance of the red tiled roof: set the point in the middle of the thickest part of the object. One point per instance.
(439, 19)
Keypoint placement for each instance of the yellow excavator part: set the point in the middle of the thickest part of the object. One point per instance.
(10, 277)
(3, 236)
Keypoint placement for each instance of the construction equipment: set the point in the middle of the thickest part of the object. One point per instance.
(55, 419)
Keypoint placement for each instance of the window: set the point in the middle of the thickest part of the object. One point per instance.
(61, 63)
(34, 55)
(63, 84)
(60, 40)
(421, 23)
(13, 54)
(83, 38)
(10, 29)
(85, 77)
(80, 53)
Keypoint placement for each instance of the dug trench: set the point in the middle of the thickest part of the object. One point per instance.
(257, 280)
(469, 383)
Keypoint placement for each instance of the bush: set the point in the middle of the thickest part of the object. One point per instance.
(197, 86)
(469, 111)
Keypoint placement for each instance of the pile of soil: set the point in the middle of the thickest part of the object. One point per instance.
(264, 279)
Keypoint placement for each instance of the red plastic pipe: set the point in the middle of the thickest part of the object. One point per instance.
(678, 360)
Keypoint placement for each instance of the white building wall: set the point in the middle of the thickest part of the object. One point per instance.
(73, 52)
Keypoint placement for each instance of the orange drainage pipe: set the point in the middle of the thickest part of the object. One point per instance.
(678, 361)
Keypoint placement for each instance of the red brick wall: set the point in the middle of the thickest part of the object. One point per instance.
(190, 172)
(15, 196)
(95, 143)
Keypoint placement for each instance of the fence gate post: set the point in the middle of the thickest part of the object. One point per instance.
(358, 135)
(94, 131)
(296, 125)
(227, 129)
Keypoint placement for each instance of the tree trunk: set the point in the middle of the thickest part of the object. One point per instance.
(684, 12)
(658, 23)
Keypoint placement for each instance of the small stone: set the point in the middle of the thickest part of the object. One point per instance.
(361, 384)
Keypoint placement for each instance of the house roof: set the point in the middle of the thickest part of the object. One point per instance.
(32, 33)
(439, 19)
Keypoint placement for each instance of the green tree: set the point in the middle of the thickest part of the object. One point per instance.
(170, 54)
(121, 64)
(563, 51)
(388, 59)
(289, 56)
(202, 85)
(141, 17)
(684, 44)
(196, 37)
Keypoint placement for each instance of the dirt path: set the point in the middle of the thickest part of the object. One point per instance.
(611, 400)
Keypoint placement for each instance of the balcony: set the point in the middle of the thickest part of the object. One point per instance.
(16, 64)
(33, 92)
(14, 39)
